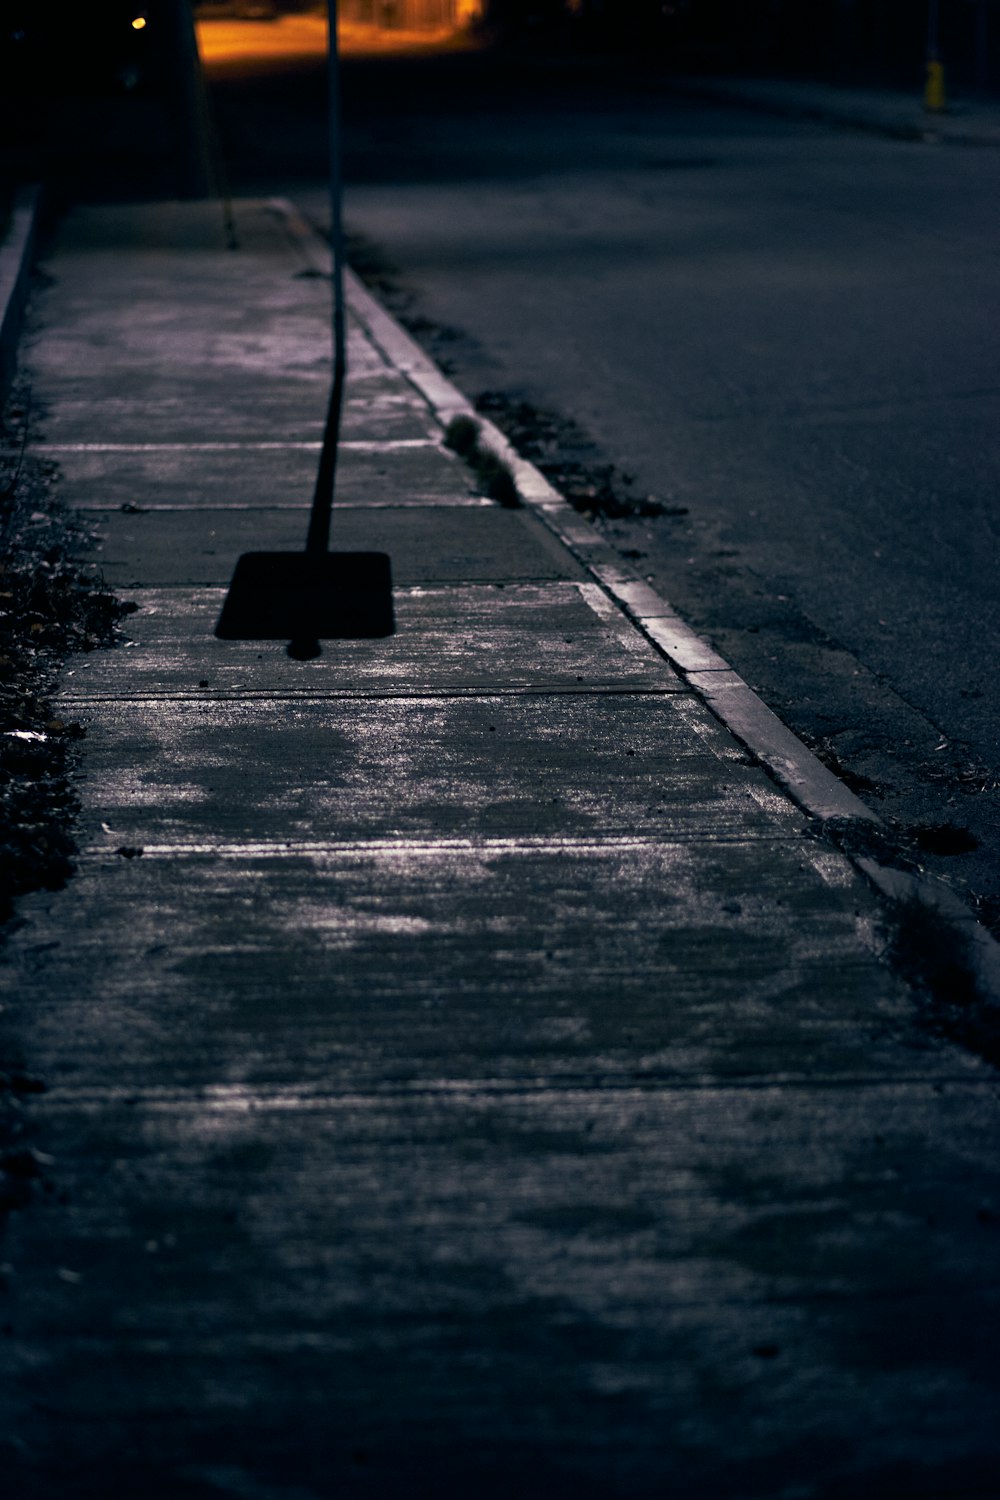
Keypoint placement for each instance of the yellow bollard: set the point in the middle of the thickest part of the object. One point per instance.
(934, 100)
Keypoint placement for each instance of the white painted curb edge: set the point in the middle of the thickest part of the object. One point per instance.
(732, 700)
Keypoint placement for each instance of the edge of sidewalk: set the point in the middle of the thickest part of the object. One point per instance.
(16, 255)
(791, 764)
(890, 113)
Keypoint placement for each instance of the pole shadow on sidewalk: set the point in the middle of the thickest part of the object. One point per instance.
(314, 595)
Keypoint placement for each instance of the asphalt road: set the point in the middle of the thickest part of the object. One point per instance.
(784, 332)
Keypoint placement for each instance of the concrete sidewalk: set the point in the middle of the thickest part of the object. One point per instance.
(465, 1068)
(967, 121)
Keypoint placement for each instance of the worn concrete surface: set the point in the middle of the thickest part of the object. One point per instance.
(152, 549)
(482, 1077)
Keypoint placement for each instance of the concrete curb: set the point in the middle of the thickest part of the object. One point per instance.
(793, 766)
(16, 255)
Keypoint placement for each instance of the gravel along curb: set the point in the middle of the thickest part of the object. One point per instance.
(794, 767)
(15, 271)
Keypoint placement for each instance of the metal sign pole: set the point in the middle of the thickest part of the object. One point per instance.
(318, 538)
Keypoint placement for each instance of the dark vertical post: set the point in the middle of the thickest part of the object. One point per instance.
(186, 99)
(318, 538)
(982, 45)
(934, 95)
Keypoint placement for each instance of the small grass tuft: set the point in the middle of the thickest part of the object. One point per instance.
(49, 608)
(463, 436)
(569, 460)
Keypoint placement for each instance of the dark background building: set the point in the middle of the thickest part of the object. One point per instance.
(860, 41)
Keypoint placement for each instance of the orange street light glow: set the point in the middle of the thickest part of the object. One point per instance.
(229, 44)
(138, 23)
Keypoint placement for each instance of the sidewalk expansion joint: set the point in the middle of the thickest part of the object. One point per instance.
(274, 1098)
(417, 500)
(429, 846)
(303, 445)
(485, 691)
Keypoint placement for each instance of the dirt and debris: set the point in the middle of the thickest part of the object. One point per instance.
(930, 950)
(897, 845)
(934, 956)
(556, 445)
(464, 437)
(569, 461)
(51, 605)
(925, 803)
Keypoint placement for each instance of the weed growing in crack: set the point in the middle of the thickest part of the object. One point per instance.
(567, 458)
(464, 437)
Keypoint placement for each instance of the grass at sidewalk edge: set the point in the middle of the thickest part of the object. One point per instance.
(464, 437)
(51, 606)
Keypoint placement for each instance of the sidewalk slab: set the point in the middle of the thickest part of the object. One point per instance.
(149, 408)
(480, 767)
(479, 638)
(378, 471)
(474, 543)
(465, 1069)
